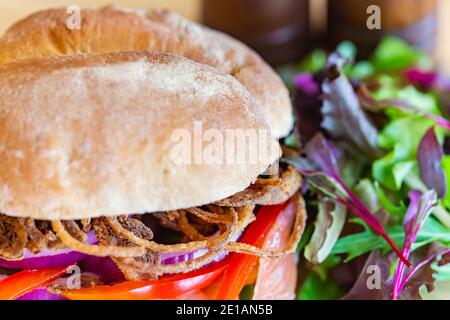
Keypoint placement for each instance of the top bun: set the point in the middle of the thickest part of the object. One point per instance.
(89, 135)
(111, 29)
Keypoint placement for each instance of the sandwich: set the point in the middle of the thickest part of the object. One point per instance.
(134, 162)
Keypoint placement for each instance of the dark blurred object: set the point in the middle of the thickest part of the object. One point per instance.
(308, 111)
(413, 20)
(276, 29)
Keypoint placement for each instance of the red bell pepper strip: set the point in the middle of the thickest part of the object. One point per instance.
(241, 265)
(165, 288)
(26, 281)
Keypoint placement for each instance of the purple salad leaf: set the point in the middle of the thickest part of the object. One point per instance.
(307, 84)
(343, 116)
(368, 287)
(419, 210)
(320, 152)
(429, 158)
(326, 178)
(427, 80)
(421, 78)
(308, 113)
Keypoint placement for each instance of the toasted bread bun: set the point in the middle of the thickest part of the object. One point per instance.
(89, 135)
(110, 29)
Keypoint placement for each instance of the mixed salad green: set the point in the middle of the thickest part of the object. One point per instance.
(373, 144)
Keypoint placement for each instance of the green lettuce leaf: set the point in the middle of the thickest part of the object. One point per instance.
(442, 272)
(403, 133)
(318, 285)
(355, 245)
(315, 288)
(446, 167)
(401, 137)
(395, 54)
(313, 63)
(387, 204)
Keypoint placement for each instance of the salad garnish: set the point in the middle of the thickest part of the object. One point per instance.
(373, 139)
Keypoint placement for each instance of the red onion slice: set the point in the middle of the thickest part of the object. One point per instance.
(178, 257)
(41, 294)
(105, 268)
(48, 258)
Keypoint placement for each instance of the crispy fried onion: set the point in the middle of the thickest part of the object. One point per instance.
(109, 237)
(266, 191)
(216, 246)
(13, 238)
(41, 235)
(180, 247)
(95, 250)
(213, 228)
(296, 234)
(19, 234)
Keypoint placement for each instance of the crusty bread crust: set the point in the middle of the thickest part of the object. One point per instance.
(111, 29)
(89, 135)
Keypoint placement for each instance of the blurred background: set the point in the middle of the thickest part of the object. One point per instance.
(283, 30)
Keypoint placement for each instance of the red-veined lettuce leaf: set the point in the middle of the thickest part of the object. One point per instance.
(327, 180)
(419, 210)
